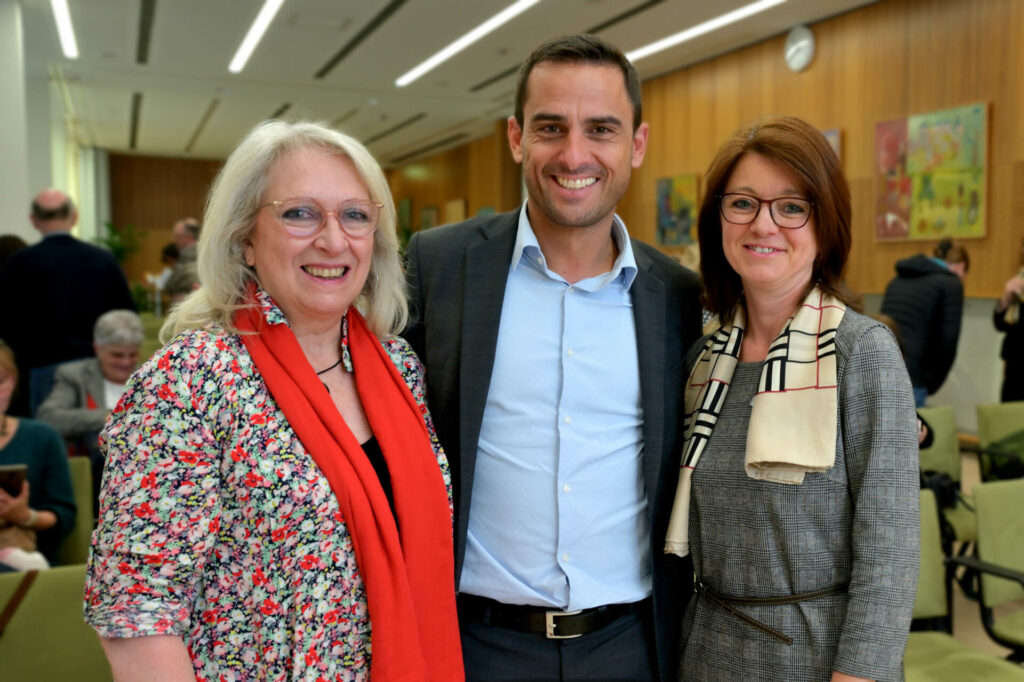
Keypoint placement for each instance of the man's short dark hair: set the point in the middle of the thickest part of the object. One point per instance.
(61, 212)
(585, 49)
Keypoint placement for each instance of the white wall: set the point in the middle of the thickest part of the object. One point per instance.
(15, 194)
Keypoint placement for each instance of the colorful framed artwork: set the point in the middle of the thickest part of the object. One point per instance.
(454, 211)
(403, 208)
(428, 217)
(834, 139)
(932, 175)
(677, 210)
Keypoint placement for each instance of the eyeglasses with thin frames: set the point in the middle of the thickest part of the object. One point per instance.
(789, 213)
(303, 217)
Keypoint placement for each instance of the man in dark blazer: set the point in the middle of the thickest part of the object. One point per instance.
(54, 291)
(554, 351)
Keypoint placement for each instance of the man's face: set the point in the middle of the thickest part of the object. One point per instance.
(181, 236)
(117, 362)
(577, 145)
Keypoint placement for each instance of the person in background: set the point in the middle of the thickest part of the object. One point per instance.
(63, 284)
(9, 245)
(38, 515)
(184, 277)
(1007, 318)
(85, 391)
(168, 258)
(275, 504)
(926, 299)
(798, 495)
(553, 343)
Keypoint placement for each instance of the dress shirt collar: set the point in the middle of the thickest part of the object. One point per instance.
(623, 269)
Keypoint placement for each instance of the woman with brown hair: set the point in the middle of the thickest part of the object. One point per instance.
(799, 488)
(37, 507)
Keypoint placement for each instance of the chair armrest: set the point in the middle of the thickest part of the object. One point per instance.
(986, 567)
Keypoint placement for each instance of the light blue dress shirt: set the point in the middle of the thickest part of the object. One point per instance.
(558, 515)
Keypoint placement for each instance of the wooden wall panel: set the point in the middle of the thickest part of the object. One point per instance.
(151, 194)
(891, 59)
(482, 172)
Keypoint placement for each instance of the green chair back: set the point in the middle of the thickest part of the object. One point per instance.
(74, 549)
(930, 601)
(996, 421)
(1000, 514)
(47, 638)
(944, 453)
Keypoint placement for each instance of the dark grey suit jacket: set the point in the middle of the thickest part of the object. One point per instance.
(457, 276)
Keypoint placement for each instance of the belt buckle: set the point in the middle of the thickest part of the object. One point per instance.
(550, 623)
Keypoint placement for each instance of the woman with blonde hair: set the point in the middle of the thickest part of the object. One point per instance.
(275, 503)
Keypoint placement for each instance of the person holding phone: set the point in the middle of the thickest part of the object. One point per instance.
(39, 509)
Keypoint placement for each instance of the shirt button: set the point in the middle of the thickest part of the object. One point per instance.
(565, 557)
(567, 488)
(570, 352)
(568, 420)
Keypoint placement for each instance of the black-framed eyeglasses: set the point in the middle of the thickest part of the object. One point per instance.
(303, 217)
(787, 212)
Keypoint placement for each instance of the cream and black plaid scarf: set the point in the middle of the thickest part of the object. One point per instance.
(793, 421)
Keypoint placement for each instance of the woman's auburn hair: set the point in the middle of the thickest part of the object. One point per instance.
(231, 209)
(802, 152)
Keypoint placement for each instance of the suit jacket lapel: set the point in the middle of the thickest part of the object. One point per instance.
(648, 294)
(93, 381)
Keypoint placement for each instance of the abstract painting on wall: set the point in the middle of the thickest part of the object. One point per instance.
(677, 210)
(834, 139)
(932, 171)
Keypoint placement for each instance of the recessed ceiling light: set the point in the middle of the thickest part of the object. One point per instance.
(64, 29)
(465, 41)
(700, 29)
(255, 34)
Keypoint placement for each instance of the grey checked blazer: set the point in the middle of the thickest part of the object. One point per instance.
(457, 276)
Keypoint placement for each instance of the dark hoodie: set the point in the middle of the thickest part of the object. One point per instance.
(927, 300)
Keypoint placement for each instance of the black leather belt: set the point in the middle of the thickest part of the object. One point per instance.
(552, 624)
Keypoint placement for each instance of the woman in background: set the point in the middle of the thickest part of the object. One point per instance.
(275, 503)
(42, 511)
(1007, 318)
(799, 490)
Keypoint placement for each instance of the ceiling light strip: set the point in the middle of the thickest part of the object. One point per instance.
(465, 41)
(280, 111)
(255, 34)
(374, 24)
(136, 114)
(146, 16)
(214, 103)
(701, 29)
(395, 129)
(65, 30)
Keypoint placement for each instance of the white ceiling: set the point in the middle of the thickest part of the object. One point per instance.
(187, 104)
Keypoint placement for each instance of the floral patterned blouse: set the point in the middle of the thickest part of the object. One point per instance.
(217, 526)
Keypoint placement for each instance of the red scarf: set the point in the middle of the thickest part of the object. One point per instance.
(410, 581)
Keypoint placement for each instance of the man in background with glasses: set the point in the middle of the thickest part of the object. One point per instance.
(554, 346)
